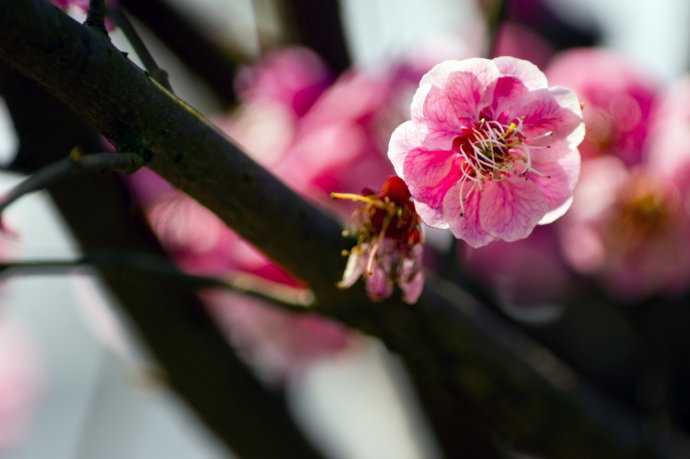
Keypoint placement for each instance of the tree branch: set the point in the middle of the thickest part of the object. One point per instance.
(289, 299)
(140, 48)
(71, 166)
(96, 15)
(172, 321)
(452, 346)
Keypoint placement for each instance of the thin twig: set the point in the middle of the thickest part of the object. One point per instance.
(495, 17)
(96, 15)
(123, 22)
(283, 297)
(73, 165)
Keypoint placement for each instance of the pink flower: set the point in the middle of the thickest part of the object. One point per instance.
(630, 228)
(617, 101)
(389, 243)
(491, 150)
(292, 77)
(339, 144)
(519, 41)
(528, 278)
(669, 142)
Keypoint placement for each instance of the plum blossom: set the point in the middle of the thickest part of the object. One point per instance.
(491, 149)
(630, 228)
(293, 77)
(617, 100)
(389, 243)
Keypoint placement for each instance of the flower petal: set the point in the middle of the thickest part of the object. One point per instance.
(430, 216)
(463, 217)
(405, 138)
(353, 269)
(557, 171)
(510, 209)
(544, 120)
(484, 72)
(379, 284)
(429, 174)
(528, 73)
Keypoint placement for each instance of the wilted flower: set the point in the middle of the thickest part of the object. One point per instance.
(389, 242)
(617, 100)
(491, 150)
(630, 228)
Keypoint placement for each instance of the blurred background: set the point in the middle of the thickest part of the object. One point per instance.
(88, 389)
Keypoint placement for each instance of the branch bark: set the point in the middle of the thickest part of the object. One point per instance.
(465, 361)
(200, 367)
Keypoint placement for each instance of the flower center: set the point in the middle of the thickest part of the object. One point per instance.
(643, 213)
(491, 150)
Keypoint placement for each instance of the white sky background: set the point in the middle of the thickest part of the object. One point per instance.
(133, 420)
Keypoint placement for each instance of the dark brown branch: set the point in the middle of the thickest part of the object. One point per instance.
(452, 346)
(96, 15)
(69, 167)
(172, 321)
(289, 299)
(140, 48)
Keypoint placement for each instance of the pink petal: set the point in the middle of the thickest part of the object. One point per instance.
(413, 288)
(463, 218)
(353, 269)
(528, 73)
(431, 216)
(405, 138)
(429, 175)
(505, 91)
(542, 115)
(484, 70)
(379, 284)
(569, 101)
(454, 105)
(510, 209)
(412, 276)
(557, 170)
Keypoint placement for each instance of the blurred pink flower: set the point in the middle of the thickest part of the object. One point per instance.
(389, 238)
(617, 100)
(630, 228)
(669, 143)
(19, 383)
(519, 41)
(292, 77)
(278, 342)
(491, 150)
(527, 277)
(339, 144)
